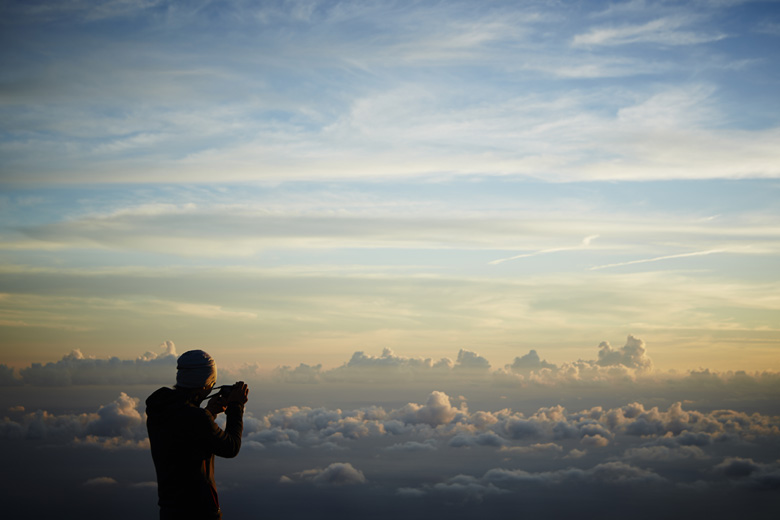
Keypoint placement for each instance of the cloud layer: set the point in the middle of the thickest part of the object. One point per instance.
(119, 424)
(628, 445)
(76, 369)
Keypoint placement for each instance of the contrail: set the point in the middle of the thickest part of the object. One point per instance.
(585, 243)
(659, 258)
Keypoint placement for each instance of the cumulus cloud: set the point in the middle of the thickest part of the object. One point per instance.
(632, 355)
(642, 434)
(119, 424)
(627, 362)
(77, 369)
(529, 362)
(630, 367)
(387, 359)
(633, 443)
(361, 365)
(468, 360)
(436, 411)
(462, 440)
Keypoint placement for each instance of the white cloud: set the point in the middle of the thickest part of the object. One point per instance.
(662, 31)
(386, 109)
(656, 259)
(436, 411)
(671, 434)
(632, 355)
(119, 424)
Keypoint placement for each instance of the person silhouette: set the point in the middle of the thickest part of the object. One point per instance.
(184, 437)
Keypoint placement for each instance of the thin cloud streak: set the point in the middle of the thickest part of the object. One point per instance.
(658, 259)
(585, 243)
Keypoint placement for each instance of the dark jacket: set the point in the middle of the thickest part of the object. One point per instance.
(184, 439)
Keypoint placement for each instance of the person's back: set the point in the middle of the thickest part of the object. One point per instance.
(184, 439)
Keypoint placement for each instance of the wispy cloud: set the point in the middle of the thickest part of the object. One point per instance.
(664, 31)
(585, 243)
(382, 113)
(657, 259)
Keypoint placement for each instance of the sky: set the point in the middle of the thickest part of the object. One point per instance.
(467, 254)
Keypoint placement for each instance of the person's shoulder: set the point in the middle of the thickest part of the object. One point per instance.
(161, 399)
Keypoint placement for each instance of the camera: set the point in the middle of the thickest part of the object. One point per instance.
(222, 390)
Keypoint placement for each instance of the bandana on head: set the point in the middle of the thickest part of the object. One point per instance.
(196, 369)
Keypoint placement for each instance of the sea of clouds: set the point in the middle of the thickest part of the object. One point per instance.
(474, 438)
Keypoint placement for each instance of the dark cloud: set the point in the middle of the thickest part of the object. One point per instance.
(520, 428)
(336, 474)
(483, 439)
(501, 481)
(665, 453)
(8, 376)
(413, 446)
(746, 472)
(736, 467)
(100, 481)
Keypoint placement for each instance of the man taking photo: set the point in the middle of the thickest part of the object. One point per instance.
(184, 437)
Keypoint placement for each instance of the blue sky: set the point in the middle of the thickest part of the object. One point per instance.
(411, 175)
(467, 255)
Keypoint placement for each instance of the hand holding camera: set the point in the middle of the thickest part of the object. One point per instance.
(235, 393)
(239, 392)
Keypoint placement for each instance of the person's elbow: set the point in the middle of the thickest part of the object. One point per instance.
(230, 449)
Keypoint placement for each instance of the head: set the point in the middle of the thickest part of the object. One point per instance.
(196, 372)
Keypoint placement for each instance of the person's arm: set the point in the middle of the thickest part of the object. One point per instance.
(227, 442)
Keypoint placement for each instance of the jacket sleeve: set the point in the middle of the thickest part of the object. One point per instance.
(227, 442)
